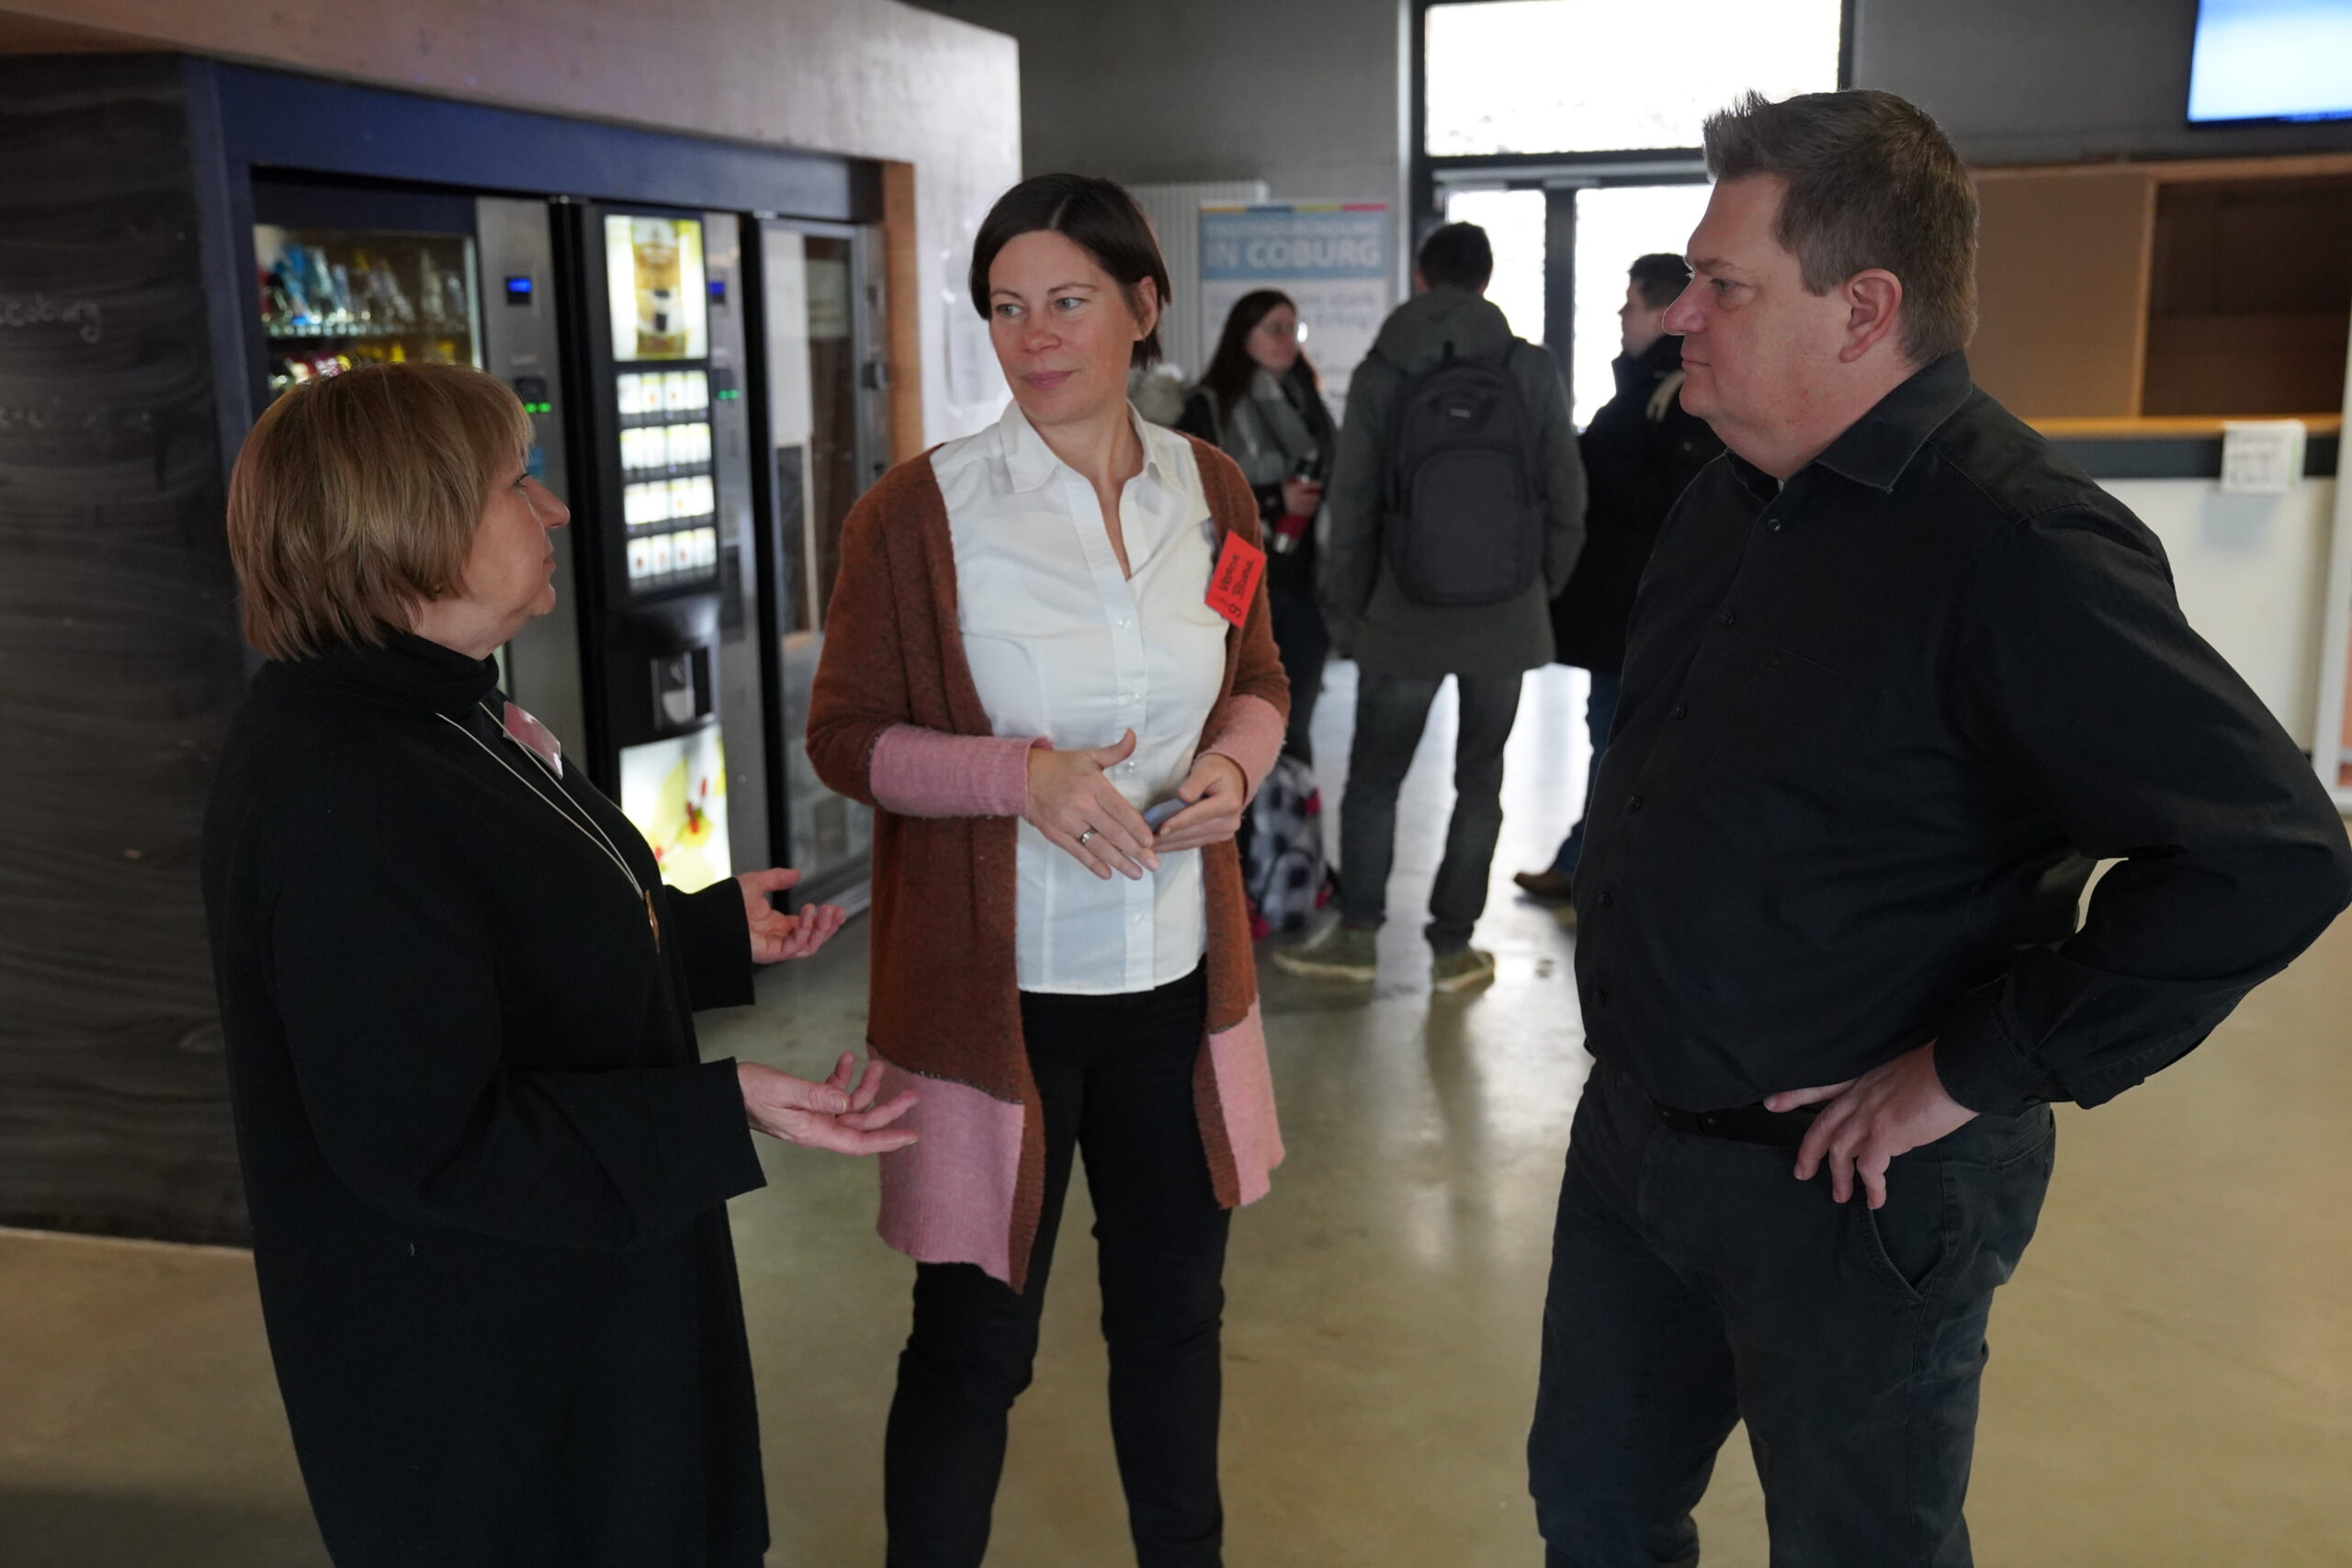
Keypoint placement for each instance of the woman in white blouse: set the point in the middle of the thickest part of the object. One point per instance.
(1048, 664)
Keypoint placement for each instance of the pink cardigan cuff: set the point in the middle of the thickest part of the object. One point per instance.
(924, 773)
(1248, 730)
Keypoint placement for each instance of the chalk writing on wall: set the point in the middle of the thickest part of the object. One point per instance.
(42, 310)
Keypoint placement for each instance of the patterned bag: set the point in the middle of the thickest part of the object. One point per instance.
(1282, 866)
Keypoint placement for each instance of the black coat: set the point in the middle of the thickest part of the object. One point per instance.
(487, 1173)
(1640, 452)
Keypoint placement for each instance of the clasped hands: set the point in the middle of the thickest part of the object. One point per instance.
(1894, 1108)
(1073, 802)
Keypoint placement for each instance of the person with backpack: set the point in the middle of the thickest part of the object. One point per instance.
(1455, 514)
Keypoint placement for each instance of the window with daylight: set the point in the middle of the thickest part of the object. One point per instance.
(1525, 76)
(1616, 224)
(1513, 220)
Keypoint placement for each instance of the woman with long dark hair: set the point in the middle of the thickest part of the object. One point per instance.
(1262, 402)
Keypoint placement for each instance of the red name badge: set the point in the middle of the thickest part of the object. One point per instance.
(1235, 581)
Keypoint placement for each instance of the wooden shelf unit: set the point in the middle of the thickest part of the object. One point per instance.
(2217, 289)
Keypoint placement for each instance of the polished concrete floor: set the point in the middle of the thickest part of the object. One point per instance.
(2171, 1385)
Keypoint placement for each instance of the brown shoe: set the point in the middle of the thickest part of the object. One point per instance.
(1550, 887)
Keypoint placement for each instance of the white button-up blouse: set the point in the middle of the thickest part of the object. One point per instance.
(1062, 646)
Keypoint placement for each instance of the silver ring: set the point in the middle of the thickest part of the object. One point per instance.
(1088, 834)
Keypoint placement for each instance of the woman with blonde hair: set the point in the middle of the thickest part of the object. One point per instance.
(1048, 664)
(487, 1171)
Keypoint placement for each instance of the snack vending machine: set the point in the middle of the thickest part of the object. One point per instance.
(690, 586)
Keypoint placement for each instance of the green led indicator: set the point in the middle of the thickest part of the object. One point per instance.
(729, 396)
(538, 408)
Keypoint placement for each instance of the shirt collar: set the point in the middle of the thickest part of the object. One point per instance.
(1877, 447)
(1029, 463)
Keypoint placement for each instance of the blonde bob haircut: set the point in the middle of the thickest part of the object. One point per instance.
(356, 497)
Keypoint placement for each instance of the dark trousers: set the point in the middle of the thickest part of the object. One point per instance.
(1695, 1284)
(1305, 644)
(1391, 711)
(1600, 713)
(1115, 1076)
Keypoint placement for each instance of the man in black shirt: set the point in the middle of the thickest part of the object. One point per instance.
(1899, 674)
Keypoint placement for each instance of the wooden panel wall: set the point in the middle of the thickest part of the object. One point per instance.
(2251, 295)
(2062, 284)
(119, 663)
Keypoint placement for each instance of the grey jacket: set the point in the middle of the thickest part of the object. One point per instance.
(1369, 615)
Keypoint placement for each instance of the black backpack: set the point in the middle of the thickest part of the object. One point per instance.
(1465, 508)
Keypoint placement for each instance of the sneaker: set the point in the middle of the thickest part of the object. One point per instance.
(1460, 970)
(1341, 952)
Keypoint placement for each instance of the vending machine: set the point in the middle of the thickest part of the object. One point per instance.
(692, 583)
(820, 421)
(665, 488)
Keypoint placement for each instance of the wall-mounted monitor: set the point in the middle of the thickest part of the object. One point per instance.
(2272, 60)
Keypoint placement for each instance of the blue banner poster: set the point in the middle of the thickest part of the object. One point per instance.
(1332, 257)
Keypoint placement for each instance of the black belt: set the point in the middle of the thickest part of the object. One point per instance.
(1742, 1123)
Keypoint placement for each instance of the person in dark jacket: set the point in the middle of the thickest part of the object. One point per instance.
(1404, 648)
(1260, 402)
(1639, 452)
(487, 1172)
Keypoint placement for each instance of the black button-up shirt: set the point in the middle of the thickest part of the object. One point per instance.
(1877, 725)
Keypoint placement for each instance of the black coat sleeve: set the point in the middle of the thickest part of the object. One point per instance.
(713, 931)
(385, 980)
(1199, 418)
(2085, 685)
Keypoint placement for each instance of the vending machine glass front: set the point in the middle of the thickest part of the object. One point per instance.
(660, 327)
(332, 300)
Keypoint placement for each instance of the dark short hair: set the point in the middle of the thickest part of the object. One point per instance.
(1872, 182)
(1659, 277)
(1096, 215)
(1457, 256)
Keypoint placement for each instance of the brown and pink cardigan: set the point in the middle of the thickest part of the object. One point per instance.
(894, 721)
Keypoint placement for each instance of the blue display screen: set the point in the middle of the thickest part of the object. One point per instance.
(518, 291)
(2272, 60)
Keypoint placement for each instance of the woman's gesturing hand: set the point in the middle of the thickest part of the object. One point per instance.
(1074, 804)
(838, 1114)
(777, 936)
(1217, 794)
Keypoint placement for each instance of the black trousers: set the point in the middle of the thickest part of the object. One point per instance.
(1305, 645)
(1115, 1076)
(1695, 1284)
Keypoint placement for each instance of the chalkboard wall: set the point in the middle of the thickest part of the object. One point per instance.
(119, 660)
